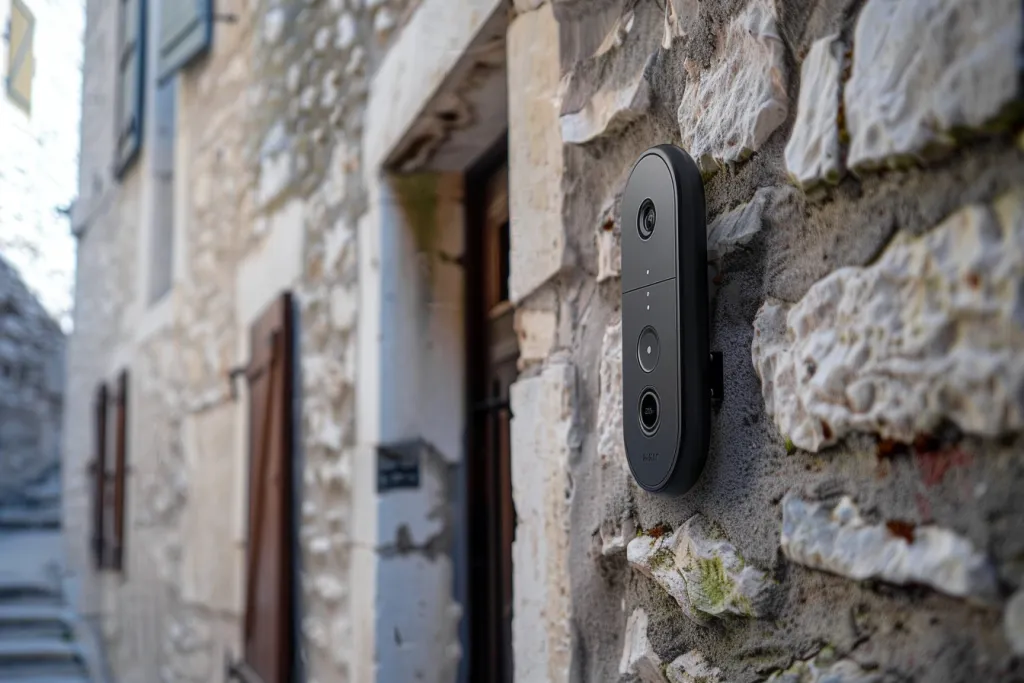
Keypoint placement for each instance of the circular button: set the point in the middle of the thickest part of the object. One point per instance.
(650, 411)
(647, 349)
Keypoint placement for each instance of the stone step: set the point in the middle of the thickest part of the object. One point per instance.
(29, 592)
(39, 658)
(29, 518)
(35, 621)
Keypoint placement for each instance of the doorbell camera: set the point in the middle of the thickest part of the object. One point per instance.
(668, 373)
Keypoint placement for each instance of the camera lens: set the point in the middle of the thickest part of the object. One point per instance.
(646, 219)
(650, 411)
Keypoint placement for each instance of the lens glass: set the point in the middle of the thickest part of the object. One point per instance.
(646, 219)
(649, 411)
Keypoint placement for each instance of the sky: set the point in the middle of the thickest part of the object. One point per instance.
(39, 156)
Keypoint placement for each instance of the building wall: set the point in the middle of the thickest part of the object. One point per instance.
(856, 517)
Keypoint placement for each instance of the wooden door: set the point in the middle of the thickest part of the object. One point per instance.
(120, 473)
(268, 639)
(98, 472)
(494, 352)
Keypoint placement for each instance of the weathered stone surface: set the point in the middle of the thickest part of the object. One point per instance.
(736, 228)
(678, 15)
(825, 668)
(613, 107)
(1013, 622)
(277, 165)
(611, 448)
(535, 154)
(543, 426)
(536, 326)
(931, 330)
(609, 241)
(692, 667)
(835, 538)
(616, 535)
(702, 570)
(737, 103)
(638, 657)
(813, 154)
(923, 69)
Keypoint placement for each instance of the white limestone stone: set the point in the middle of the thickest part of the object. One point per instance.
(702, 570)
(608, 111)
(277, 164)
(616, 534)
(346, 32)
(611, 448)
(638, 657)
(741, 99)
(543, 437)
(836, 539)
(677, 14)
(924, 68)
(813, 153)
(734, 229)
(539, 244)
(273, 25)
(322, 38)
(1013, 622)
(825, 668)
(931, 330)
(384, 20)
(609, 243)
(692, 667)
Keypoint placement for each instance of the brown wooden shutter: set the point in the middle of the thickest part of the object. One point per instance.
(120, 470)
(99, 475)
(269, 575)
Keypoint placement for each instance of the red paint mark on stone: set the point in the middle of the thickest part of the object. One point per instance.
(934, 464)
(904, 530)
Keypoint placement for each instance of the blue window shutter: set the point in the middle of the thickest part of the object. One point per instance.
(131, 71)
(186, 30)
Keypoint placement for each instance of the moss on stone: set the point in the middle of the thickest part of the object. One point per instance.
(790, 446)
(714, 584)
(662, 558)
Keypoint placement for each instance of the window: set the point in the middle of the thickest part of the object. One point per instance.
(130, 73)
(20, 58)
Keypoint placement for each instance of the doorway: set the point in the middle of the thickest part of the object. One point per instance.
(493, 352)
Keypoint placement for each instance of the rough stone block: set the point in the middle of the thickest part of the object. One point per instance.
(692, 667)
(277, 165)
(543, 439)
(930, 331)
(735, 229)
(835, 538)
(610, 109)
(638, 657)
(741, 99)
(1013, 622)
(611, 448)
(702, 570)
(813, 154)
(825, 668)
(538, 249)
(536, 330)
(923, 69)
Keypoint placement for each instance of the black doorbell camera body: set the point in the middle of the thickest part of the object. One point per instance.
(666, 361)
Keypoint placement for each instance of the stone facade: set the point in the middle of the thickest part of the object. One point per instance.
(857, 517)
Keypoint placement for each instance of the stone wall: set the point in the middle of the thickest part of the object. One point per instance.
(856, 519)
(31, 385)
